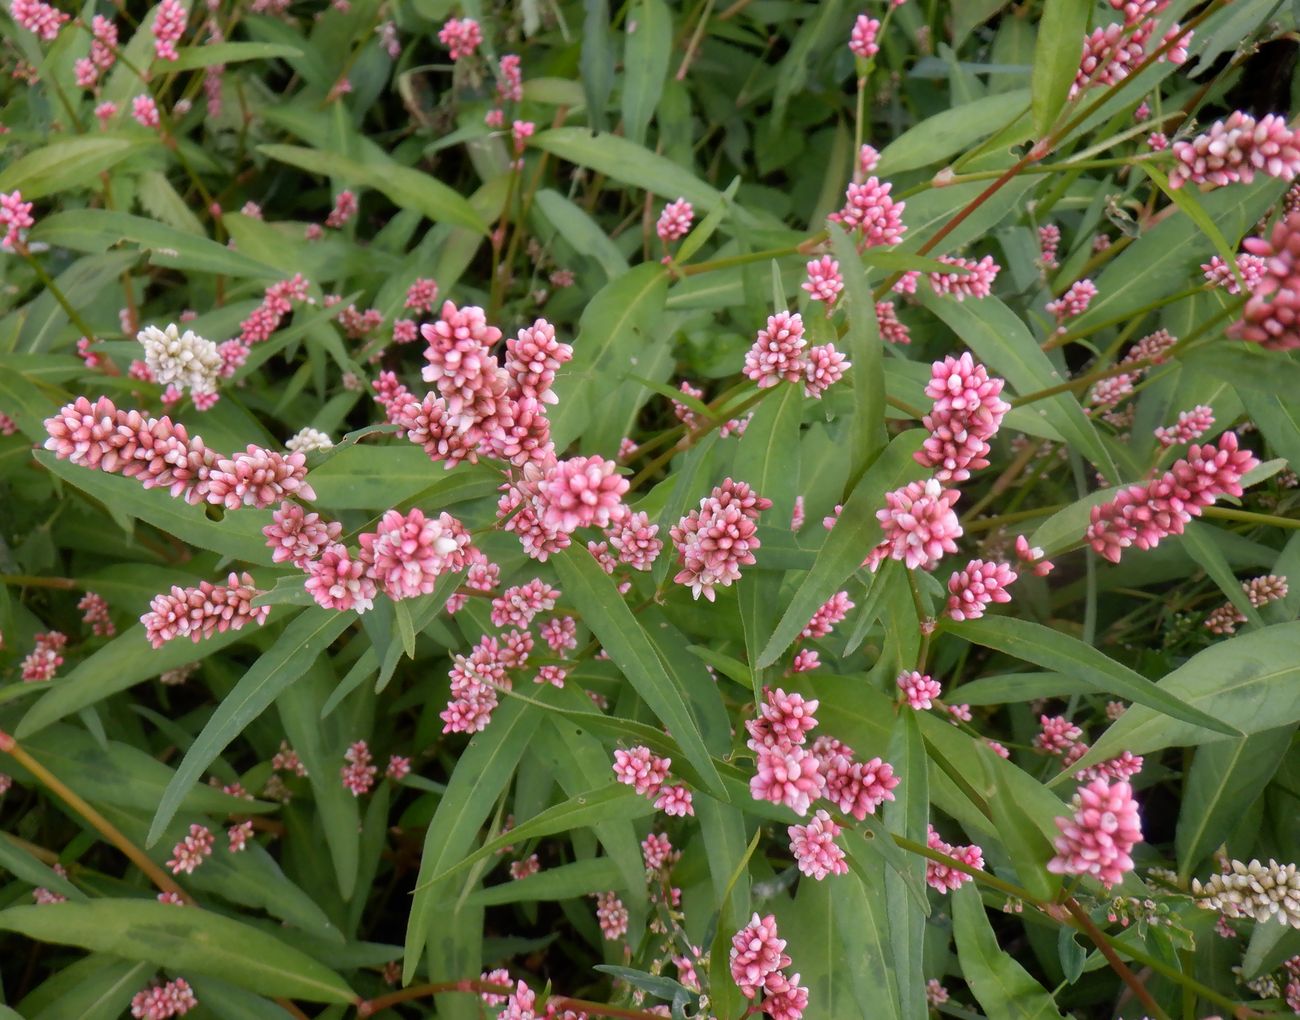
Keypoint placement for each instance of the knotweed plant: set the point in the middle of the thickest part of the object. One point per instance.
(587, 510)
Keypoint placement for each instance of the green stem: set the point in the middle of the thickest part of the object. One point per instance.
(1227, 513)
(59, 296)
(751, 257)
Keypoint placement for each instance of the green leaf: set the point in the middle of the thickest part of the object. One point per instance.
(582, 233)
(482, 772)
(703, 230)
(366, 477)
(67, 164)
(194, 57)
(97, 230)
(19, 862)
(1246, 683)
(617, 327)
(1002, 341)
(568, 881)
(597, 61)
(405, 188)
(184, 939)
(237, 535)
(868, 434)
(1186, 200)
(1003, 987)
(1061, 30)
(907, 815)
(306, 637)
(320, 743)
(645, 64)
(1015, 687)
(97, 987)
(856, 531)
(1032, 642)
(611, 621)
(628, 163)
(1201, 542)
(1224, 776)
(613, 800)
(123, 662)
(953, 130)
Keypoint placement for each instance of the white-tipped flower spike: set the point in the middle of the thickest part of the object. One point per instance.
(184, 360)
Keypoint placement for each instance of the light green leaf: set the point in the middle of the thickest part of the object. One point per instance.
(366, 477)
(907, 815)
(67, 164)
(297, 647)
(98, 987)
(597, 61)
(611, 621)
(1246, 683)
(856, 531)
(953, 130)
(1051, 649)
(1003, 987)
(568, 881)
(868, 432)
(194, 57)
(185, 939)
(582, 233)
(645, 64)
(1061, 30)
(1201, 542)
(406, 188)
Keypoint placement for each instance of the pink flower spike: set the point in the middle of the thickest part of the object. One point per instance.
(145, 111)
(920, 526)
(919, 690)
(15, 219)
(38, 17)
(675, 221)
(787, 776)
(823, 367)
(198, 613)
(1098, 840)
(833, 611)
(1190, 425)
(977, 282)
(359, 773)
(168, 27)
(1271, 317)
(978, 586)
(1074, 302)
(943, 877)
(191, 851)
(336, 581)
(756, 953)
(641, 769)
(777, 352)
(583, 492)
(824, 281)
(407, 553)
(675, 801)
(814, 849)
(1033, 557)
(461, 36)
(862, 40)
(297, 536)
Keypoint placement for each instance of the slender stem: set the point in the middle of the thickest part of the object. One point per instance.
(752, 256)
(694, 44)
(369, 1007)
(59, 296)
(29, 581)
(97, 821)
(598, 1009)
(1116, 964)
(1227, 513)
(1019, 515)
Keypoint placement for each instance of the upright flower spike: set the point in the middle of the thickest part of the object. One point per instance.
(15, 220)
(168, 27)
(814, 849)
(920, 526)
(1099, 839)
(1271, 317)
(675, 221)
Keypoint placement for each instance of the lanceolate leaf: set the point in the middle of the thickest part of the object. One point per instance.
(1003, 987)
(868, 434)
(618, 631)
(294, 651)
(187, 939)
(1053, 650)
(1246, 683)
(1061, 31)
(646, 56)
(856, 531)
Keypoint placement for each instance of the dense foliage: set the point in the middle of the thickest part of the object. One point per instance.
(649, 509)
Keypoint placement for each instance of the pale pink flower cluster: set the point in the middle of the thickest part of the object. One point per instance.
(1074, 302)
(510, 83)
(265, 319)
(516, 606)
(191, 851)
(778, 353)
(1236, 149)
(530, 865)
(15, 219)
(1032, 558)
(238, 836)
(943, 877)
(407, 553)
(1057, 735)
(635, 540)
(103, 54)
(824, 281)
(38, 17)
(345, 207)
(44, 660)
(919, 690)
(287, 760)
(168, 27)
(758, 962)
(337, 581)
(891, 328)
(1049, 242)
(94, 611)
(967, 413)
(831, 612)
(160, 1002)
(719, 538)
(863, 38)
(814, 849)
(1251, 267)
(145, 111)
(198, 613)
(872, 213)
(560, 634)
(1271, 317)
(611, 915)
(422, 294)
(657, 850)
(1100, 837)
(399, 767)
(805, 661)
(298, 536)
(1190, 425)
(647, 774)
(1260, 591)
(976, 281)
(474, 681)
(977, 586)
(461, 36)
(1142, 515)
(359, 773)
(1122, 767)
(675, 221)
(920, 526)
(935, 993)
(868, 159)
(1113, 52)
